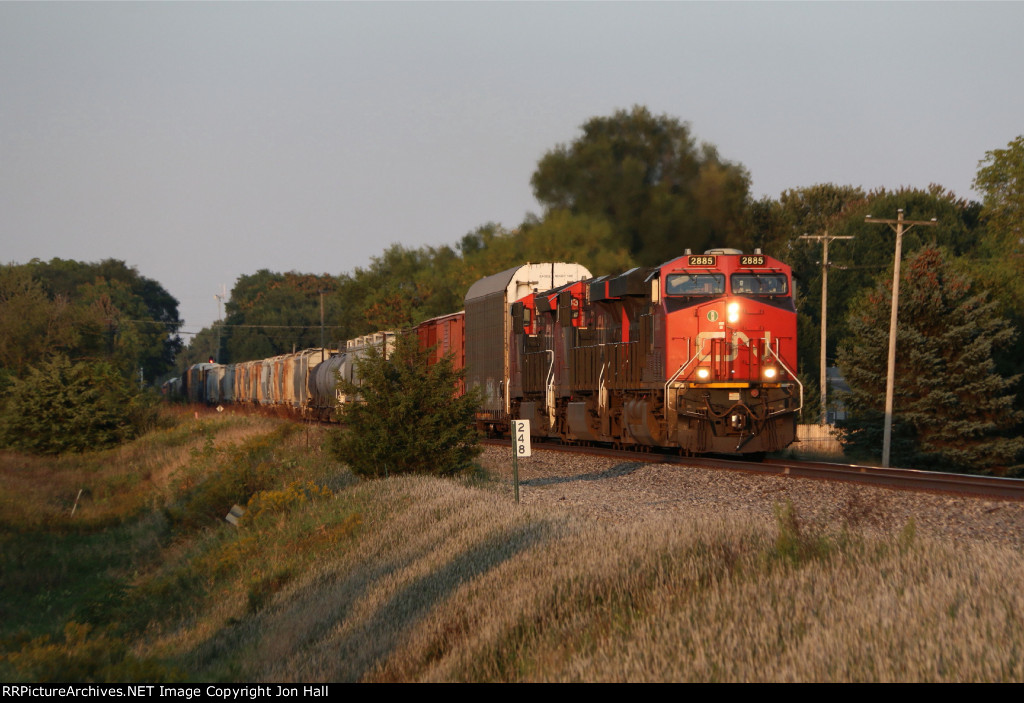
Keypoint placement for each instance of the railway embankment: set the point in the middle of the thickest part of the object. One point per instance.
(607, 570)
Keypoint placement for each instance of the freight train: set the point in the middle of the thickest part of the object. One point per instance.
(698, 354)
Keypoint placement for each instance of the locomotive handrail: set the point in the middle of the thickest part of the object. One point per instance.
(676, 375)
(549, 391)
(782, 363)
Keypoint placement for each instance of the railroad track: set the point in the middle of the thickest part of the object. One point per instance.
(904, 479)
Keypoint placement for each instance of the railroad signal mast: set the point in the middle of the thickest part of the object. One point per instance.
(899, 226)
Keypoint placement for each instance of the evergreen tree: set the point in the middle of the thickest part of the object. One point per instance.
(999, 259)
(60, 406)
(841, 210)
(407, 418)
(952, 410)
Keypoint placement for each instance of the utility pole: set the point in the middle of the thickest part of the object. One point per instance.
(322, 352)
(220, 300)
(896, 226)
(825, 263)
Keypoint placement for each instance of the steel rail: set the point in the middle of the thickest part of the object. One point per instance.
(903, 479)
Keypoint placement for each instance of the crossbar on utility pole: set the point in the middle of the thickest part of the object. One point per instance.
(825, 239)
(896, 226)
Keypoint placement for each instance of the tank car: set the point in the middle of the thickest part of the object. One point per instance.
(324, 394)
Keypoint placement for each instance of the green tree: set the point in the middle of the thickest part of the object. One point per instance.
(647, 176)
(60, 406)
(952, 409)
(133, 320)
(399, 288)
(841, 210)
(999, 260)
(32, 326)
(102, 310)
(1000, 180)
(274, 313)
(408, 419)
(779, 224)
(559, 236)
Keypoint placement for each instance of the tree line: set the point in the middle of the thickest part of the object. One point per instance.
(637, 189)
(632, 189)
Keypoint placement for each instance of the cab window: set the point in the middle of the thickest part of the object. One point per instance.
(759, 284)
(689, 284)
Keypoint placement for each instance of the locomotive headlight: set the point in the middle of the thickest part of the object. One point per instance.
(732, 311)
(770, 373)
(703, 374)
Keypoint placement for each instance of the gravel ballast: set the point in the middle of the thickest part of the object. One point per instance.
(625, 491)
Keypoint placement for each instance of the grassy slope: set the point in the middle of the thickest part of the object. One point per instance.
(413, 578)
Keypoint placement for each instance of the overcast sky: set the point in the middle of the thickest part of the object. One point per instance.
(202, 141)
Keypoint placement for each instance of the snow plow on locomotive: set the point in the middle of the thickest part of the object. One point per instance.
(697, 354)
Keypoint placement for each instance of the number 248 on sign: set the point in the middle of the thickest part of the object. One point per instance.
(521, 437)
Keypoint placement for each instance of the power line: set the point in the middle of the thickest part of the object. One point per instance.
(218, 324)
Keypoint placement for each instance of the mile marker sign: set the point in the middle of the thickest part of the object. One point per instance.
(521, 437)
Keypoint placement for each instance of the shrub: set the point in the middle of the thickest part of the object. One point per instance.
(61, 406)
(274, 502)
(408, 418)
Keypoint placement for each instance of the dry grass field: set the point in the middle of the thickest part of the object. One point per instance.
(423, 579)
